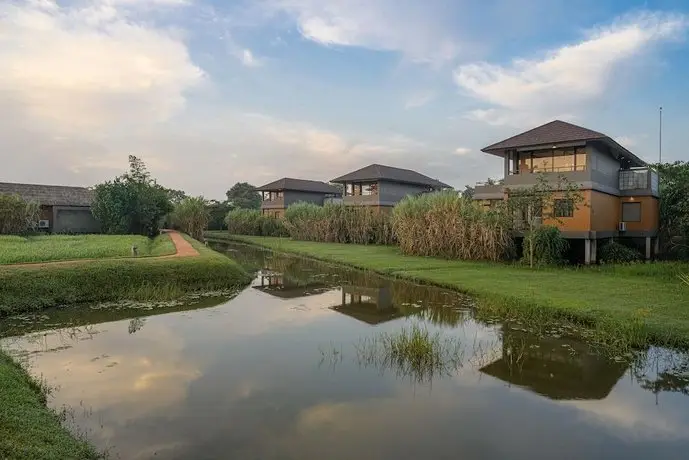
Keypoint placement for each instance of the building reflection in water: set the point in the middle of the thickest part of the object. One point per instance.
(557, 368)
(371, 305)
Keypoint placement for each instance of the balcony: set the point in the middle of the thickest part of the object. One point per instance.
(484, 191)
(275, 203)
(638, 181)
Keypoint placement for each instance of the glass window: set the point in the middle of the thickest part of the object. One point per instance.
(564, 208)
(369, 189)
(542, 162)
(631, 212)
(563, 160)
(580, 159)
(525, 163)
(357, 189)
(349, 189)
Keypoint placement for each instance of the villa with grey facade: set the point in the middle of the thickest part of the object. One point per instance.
(279, 195)
(63, 209)
(384, 186)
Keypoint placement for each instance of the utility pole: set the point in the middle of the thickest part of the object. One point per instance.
(660, 135)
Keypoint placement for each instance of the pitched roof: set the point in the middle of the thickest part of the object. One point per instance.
(300, 185)
(382, 172)
(554, 132)
(49, 195)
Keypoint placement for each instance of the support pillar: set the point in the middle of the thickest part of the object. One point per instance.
(594, 251)
(656, 249)
(648, 248)
(587, 251)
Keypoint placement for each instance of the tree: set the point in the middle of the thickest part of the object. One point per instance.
(542, 202)
(175, 196)
(674, 207)
(217, 211)
(243, 195)
(191, 216)
(131, 203)
(468, 192)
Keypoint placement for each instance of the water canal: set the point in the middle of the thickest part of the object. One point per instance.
(276, 372)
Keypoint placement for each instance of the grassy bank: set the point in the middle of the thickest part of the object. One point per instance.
(28, 429)
(45, 248)
(638, 304)
(30, 288)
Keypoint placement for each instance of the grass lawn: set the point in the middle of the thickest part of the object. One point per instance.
(28, 429)
(32, 288)
(646, 303)
(43, 248)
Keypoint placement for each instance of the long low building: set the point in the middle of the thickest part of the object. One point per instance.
(63, 209)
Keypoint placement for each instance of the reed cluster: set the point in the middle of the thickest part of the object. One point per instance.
(448, 225)
(253, 222)
(336, 223)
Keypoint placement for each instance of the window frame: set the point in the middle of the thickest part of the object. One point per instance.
(635, 203)
(563, 208)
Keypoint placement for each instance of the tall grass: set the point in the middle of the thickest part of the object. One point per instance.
(191, 215)
(337, 223)
(16, 215)
(545, 246)
(448, 225)
(415, 353)
(253, 222)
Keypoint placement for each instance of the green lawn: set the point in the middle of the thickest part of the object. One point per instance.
(43, 248)
(34, 287)
(649, 299)
(28, 429)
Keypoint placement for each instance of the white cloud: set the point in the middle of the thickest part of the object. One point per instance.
(415, 29)
(70, 68)
(461, 151)
(419, 99)
(568, 76)
(249, 60)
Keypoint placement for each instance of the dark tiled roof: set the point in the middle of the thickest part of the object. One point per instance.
(299, 185)
(550, 133)
(382, 172)
(49, 195)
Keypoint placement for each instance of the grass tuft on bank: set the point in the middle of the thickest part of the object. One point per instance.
(28, 429)
(32, 288)
(48, 248)
(637, 304)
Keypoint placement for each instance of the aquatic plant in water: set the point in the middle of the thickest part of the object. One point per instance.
(412, 352)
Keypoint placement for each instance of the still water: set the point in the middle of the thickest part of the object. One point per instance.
(273, 372)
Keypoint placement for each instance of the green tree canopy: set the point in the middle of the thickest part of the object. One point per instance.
(243, 195)
(674, 207)
(131, 203)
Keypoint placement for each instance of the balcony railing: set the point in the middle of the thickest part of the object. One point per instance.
(638, 179)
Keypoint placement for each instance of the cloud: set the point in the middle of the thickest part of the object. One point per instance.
(85, 68)
(249, 60)
(565, 77)
(461, 151)
(416, 30)
(419, 99)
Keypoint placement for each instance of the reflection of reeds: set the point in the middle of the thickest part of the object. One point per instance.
(414, 352)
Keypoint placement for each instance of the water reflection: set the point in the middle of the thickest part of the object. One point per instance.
(557, 368)
(240, 378)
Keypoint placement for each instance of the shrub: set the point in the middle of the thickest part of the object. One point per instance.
(337, 223)
(17, 215)
(548, 246)
(191, 215)
(448, 225)
(252, 222)
(615, 253)
(131, 203)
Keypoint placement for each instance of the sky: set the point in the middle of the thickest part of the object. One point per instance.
(209, 93)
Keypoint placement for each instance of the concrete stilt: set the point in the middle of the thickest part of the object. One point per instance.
(648, 248)
(594, 251)
(587, 251)
(656, 249)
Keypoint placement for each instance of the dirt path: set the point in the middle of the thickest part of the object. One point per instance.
(183, 249)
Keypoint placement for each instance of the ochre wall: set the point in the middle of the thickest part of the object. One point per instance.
(650, 213)
(605, 211)
(581, 221)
